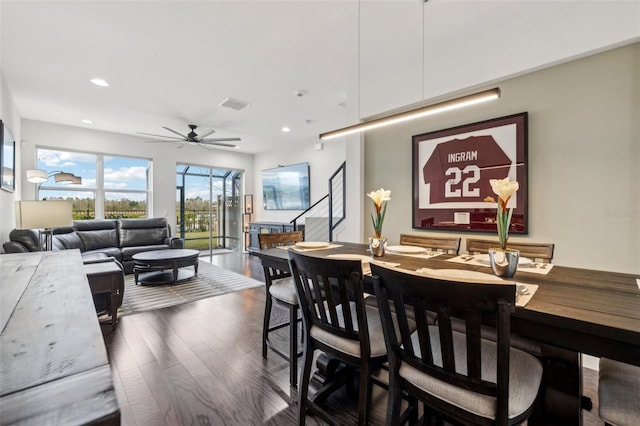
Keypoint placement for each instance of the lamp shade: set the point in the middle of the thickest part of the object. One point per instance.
(36, 176)
(64, 177)
(43, 214)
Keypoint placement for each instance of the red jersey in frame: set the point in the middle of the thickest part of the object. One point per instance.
(452, 169)
(460, 169)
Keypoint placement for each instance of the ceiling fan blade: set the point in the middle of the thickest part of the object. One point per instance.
(202, 145)
(160, 136)
(220, 140)
(177, 133)
(173, 140)
(228, 145)
(204, 135)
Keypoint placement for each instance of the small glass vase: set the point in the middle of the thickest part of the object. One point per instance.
(504, 262)
(377, 246)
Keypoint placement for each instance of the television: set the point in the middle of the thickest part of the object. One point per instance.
(286, 187)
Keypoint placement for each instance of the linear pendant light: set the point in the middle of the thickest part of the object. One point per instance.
(449, 105)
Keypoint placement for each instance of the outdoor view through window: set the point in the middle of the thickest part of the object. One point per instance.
(111, 188)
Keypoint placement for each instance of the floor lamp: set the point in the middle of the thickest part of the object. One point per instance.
(39, 176)
(44, 215)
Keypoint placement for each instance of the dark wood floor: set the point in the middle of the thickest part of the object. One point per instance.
(200, 364)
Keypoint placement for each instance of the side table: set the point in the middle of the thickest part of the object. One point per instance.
(107, 277)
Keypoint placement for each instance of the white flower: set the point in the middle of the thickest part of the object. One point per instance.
(379, 196)
(503, 188)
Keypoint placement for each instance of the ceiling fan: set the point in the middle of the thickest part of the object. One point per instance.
(192, 137)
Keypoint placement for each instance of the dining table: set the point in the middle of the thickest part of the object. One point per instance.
(573, 311)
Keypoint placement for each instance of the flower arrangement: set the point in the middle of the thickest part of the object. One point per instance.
(380, 198)
(504, 190)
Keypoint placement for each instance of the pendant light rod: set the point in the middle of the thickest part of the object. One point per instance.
(424, 111)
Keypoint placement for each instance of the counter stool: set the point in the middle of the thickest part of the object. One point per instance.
(619, 393)
(280, 289)
(107, 277)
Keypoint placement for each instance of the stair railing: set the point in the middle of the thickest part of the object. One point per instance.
(333, 203)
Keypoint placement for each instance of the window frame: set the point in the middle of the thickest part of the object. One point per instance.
(99, 191)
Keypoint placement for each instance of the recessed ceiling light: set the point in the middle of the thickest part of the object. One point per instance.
(286, 129)
(85, 121)
(99, 82)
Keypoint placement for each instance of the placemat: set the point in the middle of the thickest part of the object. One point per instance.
(427, 255)
(522, 297)
(330, 246)
(366, 267)
(366, 261)
(534, 267)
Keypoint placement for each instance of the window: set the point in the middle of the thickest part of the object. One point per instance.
(125, 187)
(112, 187)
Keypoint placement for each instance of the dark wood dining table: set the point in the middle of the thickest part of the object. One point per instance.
(573, 311)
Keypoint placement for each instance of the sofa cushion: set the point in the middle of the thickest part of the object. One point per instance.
(109, 251)
(99, 239)
(27, 237)
(66, 238)
(94, 256)
(97, 233)
(142, 232)
(94, 224)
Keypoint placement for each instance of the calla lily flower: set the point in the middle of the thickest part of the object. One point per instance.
(380, 198)
(504, 190)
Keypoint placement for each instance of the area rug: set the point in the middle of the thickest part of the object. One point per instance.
(211, 281)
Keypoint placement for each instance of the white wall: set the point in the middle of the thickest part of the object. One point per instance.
(583, 156)
(322, 164)
(404, 49)
(11, 118)
(164, 157)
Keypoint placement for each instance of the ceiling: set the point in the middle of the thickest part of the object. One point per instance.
(304, 64)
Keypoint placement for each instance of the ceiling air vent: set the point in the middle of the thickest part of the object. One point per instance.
(234, 104)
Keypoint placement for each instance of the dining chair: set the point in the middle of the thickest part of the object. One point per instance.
(457, 376)
(280, 288)
(337, 322)
(450, 245)
(618, 393)
(542, 252)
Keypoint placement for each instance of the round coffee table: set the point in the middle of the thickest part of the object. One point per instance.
(162, 266)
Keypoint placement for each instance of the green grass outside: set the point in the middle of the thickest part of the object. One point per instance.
(202, 243)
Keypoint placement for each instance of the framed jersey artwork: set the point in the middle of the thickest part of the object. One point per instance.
(452, 169)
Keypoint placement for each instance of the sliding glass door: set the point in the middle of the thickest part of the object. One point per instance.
(208, 208)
